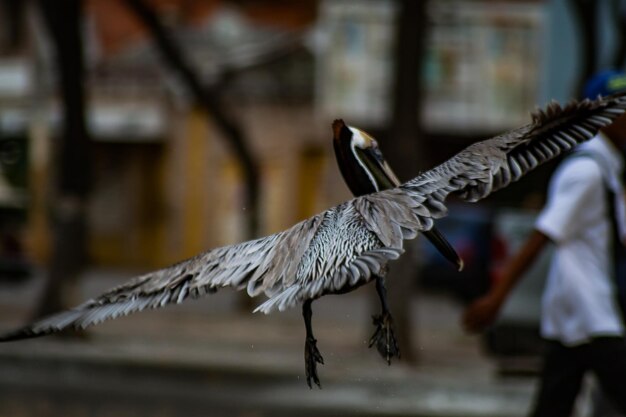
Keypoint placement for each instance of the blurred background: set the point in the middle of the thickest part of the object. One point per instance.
(136, 133)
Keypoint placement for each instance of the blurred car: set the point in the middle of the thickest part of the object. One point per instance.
(468, 227)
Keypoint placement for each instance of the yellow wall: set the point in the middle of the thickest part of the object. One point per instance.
(155, 204)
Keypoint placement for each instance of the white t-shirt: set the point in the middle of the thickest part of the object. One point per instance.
(579, 299)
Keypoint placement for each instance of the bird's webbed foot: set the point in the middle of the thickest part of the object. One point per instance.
(384, 338)
(312, 357)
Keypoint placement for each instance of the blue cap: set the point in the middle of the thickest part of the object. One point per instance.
(605, 83)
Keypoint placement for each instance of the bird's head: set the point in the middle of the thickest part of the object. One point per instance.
(365, 171)
(360, 160)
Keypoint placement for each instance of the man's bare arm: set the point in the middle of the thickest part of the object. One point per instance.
(483, 311)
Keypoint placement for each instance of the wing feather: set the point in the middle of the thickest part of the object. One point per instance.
(487, 166)
(244, 265)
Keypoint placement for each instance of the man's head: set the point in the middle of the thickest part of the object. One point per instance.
(606, 83)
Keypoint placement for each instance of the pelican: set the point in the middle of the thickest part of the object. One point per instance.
(347, 245)
(365, 171)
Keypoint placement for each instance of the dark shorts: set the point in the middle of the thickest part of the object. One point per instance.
(564, 368)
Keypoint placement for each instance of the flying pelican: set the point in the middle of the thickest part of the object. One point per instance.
(346, 246)
(366, 171)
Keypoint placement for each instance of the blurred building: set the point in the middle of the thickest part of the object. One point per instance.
(166, 184)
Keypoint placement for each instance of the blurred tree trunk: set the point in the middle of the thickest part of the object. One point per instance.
(12, 25)
(208, 99)
(72, 156)
(404, 153)
(618, 11)
(586, 13)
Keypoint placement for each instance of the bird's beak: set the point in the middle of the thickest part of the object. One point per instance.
(444, 247)
(379, 169)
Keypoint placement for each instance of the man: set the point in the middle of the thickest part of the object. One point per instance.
(580, 315)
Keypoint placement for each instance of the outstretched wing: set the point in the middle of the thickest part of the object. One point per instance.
(492, 164)
(346, 245)
(236, 266)
(288, 267)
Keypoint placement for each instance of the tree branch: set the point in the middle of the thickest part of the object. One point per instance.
(208, 99)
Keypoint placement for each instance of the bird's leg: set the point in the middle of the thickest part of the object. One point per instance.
(312, 356)
(383, 337)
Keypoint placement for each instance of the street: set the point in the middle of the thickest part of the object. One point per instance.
(201, 358)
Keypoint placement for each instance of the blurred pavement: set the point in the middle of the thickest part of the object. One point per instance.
(201, 359)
